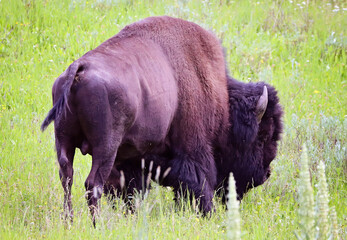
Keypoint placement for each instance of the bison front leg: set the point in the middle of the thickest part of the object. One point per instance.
(196, 188)
(65, 160)
(193, 175)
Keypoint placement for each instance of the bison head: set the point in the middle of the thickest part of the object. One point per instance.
(255, 128)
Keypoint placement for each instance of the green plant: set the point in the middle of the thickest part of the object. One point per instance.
(298, 48)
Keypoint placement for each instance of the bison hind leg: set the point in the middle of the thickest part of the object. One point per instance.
(66, 152)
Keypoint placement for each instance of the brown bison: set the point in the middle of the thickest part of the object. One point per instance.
(159, 90)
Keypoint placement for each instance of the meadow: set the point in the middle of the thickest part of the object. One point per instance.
(300, 47)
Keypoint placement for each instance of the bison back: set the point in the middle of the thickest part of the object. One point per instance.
(196, 58)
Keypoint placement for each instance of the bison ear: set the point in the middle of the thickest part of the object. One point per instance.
(261, 105)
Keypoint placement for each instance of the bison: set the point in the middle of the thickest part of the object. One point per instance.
(159, 90)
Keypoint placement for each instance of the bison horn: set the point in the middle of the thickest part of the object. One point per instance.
(261, 105)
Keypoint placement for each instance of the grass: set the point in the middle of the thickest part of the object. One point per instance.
(299, 47)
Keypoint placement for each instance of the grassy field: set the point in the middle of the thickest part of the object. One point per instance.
(298, 46)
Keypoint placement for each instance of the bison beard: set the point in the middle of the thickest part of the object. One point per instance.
(159, 89)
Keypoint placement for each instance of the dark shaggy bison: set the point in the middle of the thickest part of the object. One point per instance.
(159, 89)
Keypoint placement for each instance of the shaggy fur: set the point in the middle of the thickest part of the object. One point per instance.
(251, 146)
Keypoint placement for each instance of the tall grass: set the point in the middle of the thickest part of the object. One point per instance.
(233, 214)
(297, 46)
(306, 200)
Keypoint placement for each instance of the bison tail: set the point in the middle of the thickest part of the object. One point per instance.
(62, 104)
(52, 114)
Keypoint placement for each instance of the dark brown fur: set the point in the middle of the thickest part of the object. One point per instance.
(158, 86)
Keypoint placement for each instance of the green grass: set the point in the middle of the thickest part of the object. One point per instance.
(299, 48)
